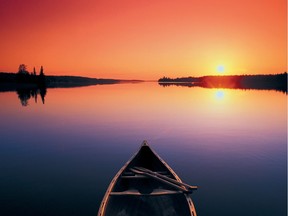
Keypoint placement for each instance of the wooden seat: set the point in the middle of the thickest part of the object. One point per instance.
(155, 192)
(134, 177)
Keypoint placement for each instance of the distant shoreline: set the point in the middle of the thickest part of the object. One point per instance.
(276, 82)
(9, 82)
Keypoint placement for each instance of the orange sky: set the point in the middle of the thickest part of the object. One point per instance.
(130, 39)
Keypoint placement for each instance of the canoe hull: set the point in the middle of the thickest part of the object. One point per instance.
(130, 194)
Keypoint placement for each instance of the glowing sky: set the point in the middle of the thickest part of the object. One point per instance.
(144, 39)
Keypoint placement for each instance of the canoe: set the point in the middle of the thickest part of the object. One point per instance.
(146, 185)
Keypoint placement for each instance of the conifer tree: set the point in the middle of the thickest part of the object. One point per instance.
(22, 69)
(41, 71)
(41, 76)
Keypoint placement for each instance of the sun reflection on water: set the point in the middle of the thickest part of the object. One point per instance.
(220, 94)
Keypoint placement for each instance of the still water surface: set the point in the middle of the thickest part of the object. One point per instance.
(59, 157)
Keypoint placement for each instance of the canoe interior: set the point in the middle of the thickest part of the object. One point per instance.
(147, 159)
(172, 205)
(137, 195)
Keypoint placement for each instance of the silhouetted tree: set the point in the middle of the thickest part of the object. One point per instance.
(41, 77)
(23, 75)
(41, 71)
(22, 69)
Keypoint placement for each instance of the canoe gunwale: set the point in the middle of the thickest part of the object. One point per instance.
(112, 184)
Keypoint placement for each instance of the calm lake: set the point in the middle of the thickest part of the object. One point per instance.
(58, 158)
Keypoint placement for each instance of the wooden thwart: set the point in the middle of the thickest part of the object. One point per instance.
(156, 192)
(189, 187)
(134, 177)
(183, 189)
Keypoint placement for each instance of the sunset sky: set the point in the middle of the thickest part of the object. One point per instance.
(129, 39)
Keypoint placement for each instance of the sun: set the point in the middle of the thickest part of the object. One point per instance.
(220, 69)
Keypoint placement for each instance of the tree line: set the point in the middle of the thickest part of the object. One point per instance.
(24, 76)
(276, 82)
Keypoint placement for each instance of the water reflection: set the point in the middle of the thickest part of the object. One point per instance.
(184, 84)
(25, 94)
(220, 94)
(63, 161)
(228, 84)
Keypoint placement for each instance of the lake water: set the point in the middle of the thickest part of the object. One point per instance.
(58, 158)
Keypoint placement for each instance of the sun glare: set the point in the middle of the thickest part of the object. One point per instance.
(219, 94)
(220, 69)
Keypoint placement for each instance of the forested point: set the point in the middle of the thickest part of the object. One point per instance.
(23, 78)
(272, 81)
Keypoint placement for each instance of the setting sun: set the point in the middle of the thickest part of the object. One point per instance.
(220, 69)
